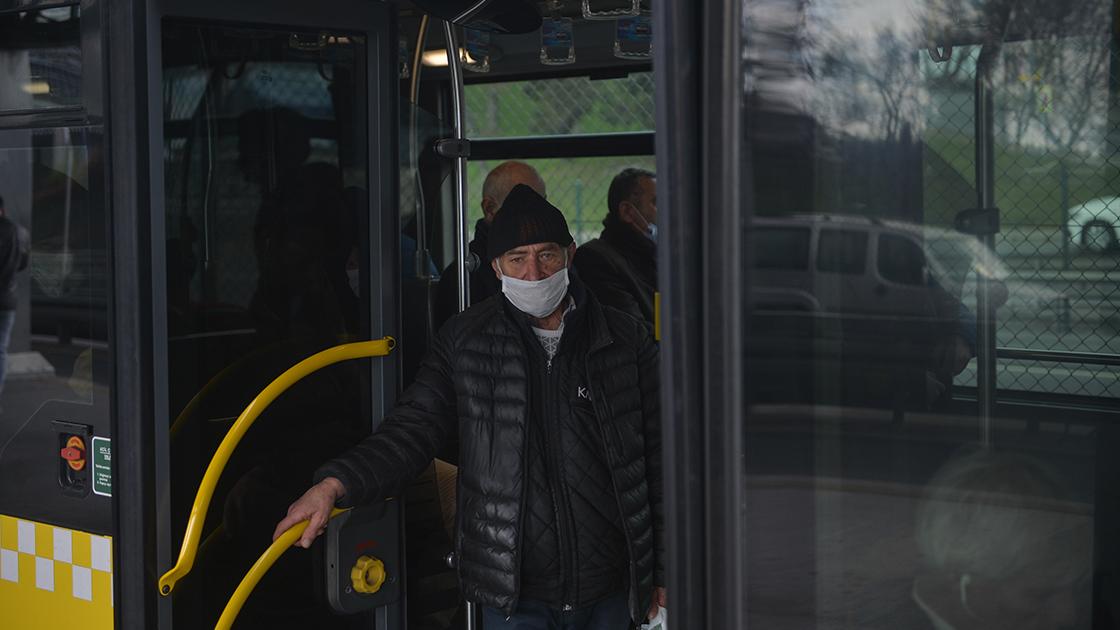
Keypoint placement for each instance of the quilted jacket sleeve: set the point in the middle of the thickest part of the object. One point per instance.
(406, 441)
(648, 381)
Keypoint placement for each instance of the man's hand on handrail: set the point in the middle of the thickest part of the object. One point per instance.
(314, 506)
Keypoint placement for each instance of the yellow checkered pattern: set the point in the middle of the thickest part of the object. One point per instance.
(51, 574)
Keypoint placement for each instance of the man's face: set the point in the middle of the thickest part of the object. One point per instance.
(640, 210)
(533, 262)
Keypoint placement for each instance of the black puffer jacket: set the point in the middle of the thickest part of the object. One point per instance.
(477, 379)
(620, 267)
(483, 282)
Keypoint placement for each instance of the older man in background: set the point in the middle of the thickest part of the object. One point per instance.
(497, 186)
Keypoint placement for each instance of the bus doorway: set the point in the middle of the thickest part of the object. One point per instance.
(275, 247)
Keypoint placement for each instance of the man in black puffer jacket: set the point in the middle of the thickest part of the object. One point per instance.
(554, 398)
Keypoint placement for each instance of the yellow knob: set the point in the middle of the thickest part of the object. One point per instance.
(368, 575)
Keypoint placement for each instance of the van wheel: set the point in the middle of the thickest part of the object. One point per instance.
(1098, 237)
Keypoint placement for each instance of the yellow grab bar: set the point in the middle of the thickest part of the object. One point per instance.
(259, 568)
(345, 352)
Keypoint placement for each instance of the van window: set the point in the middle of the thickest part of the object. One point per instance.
(781, 248)
(842, 251)
(901, 260)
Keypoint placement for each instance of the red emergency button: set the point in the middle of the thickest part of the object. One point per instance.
(75, 453)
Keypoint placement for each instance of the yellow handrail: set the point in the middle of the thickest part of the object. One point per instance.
(259, 568)
(214, 381)
(360, 350)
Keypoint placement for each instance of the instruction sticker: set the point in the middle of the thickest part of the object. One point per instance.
(635, 30)
(556, 33)
(102, 467)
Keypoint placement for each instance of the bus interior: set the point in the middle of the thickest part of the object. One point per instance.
(881, 315)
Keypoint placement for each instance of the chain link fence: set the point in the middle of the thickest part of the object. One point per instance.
(578, 186)
(559, 107)
(1057, 185)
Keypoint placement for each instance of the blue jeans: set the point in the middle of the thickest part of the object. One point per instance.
(612, 613)
(7, 321)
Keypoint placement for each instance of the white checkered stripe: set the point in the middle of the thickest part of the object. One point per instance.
(51, 557)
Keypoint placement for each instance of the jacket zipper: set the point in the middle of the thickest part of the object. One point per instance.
(600, 409)
(556, 486)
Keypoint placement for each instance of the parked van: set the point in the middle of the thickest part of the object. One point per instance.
(860, 265)
(874, 304)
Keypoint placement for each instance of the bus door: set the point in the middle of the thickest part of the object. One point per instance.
(56, 518)
(941, 456)
(280, 240)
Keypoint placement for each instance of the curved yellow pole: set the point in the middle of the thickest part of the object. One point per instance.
(259, 568)
(318, 361)
(196, 401)
(188, 411)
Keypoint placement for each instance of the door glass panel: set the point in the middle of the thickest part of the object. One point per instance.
(40, 59)
(841, 251)
(887, 485)
(54, 281)
(266, 193)
(901, 260)
(782, 248)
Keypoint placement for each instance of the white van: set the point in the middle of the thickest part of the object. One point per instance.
(859, 265)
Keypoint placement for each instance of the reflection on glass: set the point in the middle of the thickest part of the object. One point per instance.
(1003, 544)
(53, 307)
(880, 495)
(265, 191)
(40, 59)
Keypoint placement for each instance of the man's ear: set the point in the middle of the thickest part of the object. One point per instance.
(626, 211)
(571, 253)
(489, 209)
(496, 268)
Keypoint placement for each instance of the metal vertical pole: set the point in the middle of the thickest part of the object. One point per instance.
(461, 252)
(985, 192)
(1063, 175)
(454, 64)
(422, 259)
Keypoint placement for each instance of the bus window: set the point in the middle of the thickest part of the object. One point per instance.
(782, 249)
(901, 260)
(40, 59)
(889, 482)
(265, 194)
(842, 251)
(578, 186)
(53, 317)
(560, 106)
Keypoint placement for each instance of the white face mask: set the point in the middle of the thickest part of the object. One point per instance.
(353, 277)
(536, 297)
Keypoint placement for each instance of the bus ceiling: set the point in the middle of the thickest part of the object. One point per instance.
(515, 57)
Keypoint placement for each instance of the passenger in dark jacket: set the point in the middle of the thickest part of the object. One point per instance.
(554, 398)
(495, 189)
(620, 267)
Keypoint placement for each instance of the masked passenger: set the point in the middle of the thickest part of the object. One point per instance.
(497, 186)
(620, 267)
(554, 399)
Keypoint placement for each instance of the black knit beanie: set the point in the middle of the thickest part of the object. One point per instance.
(526, 218)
